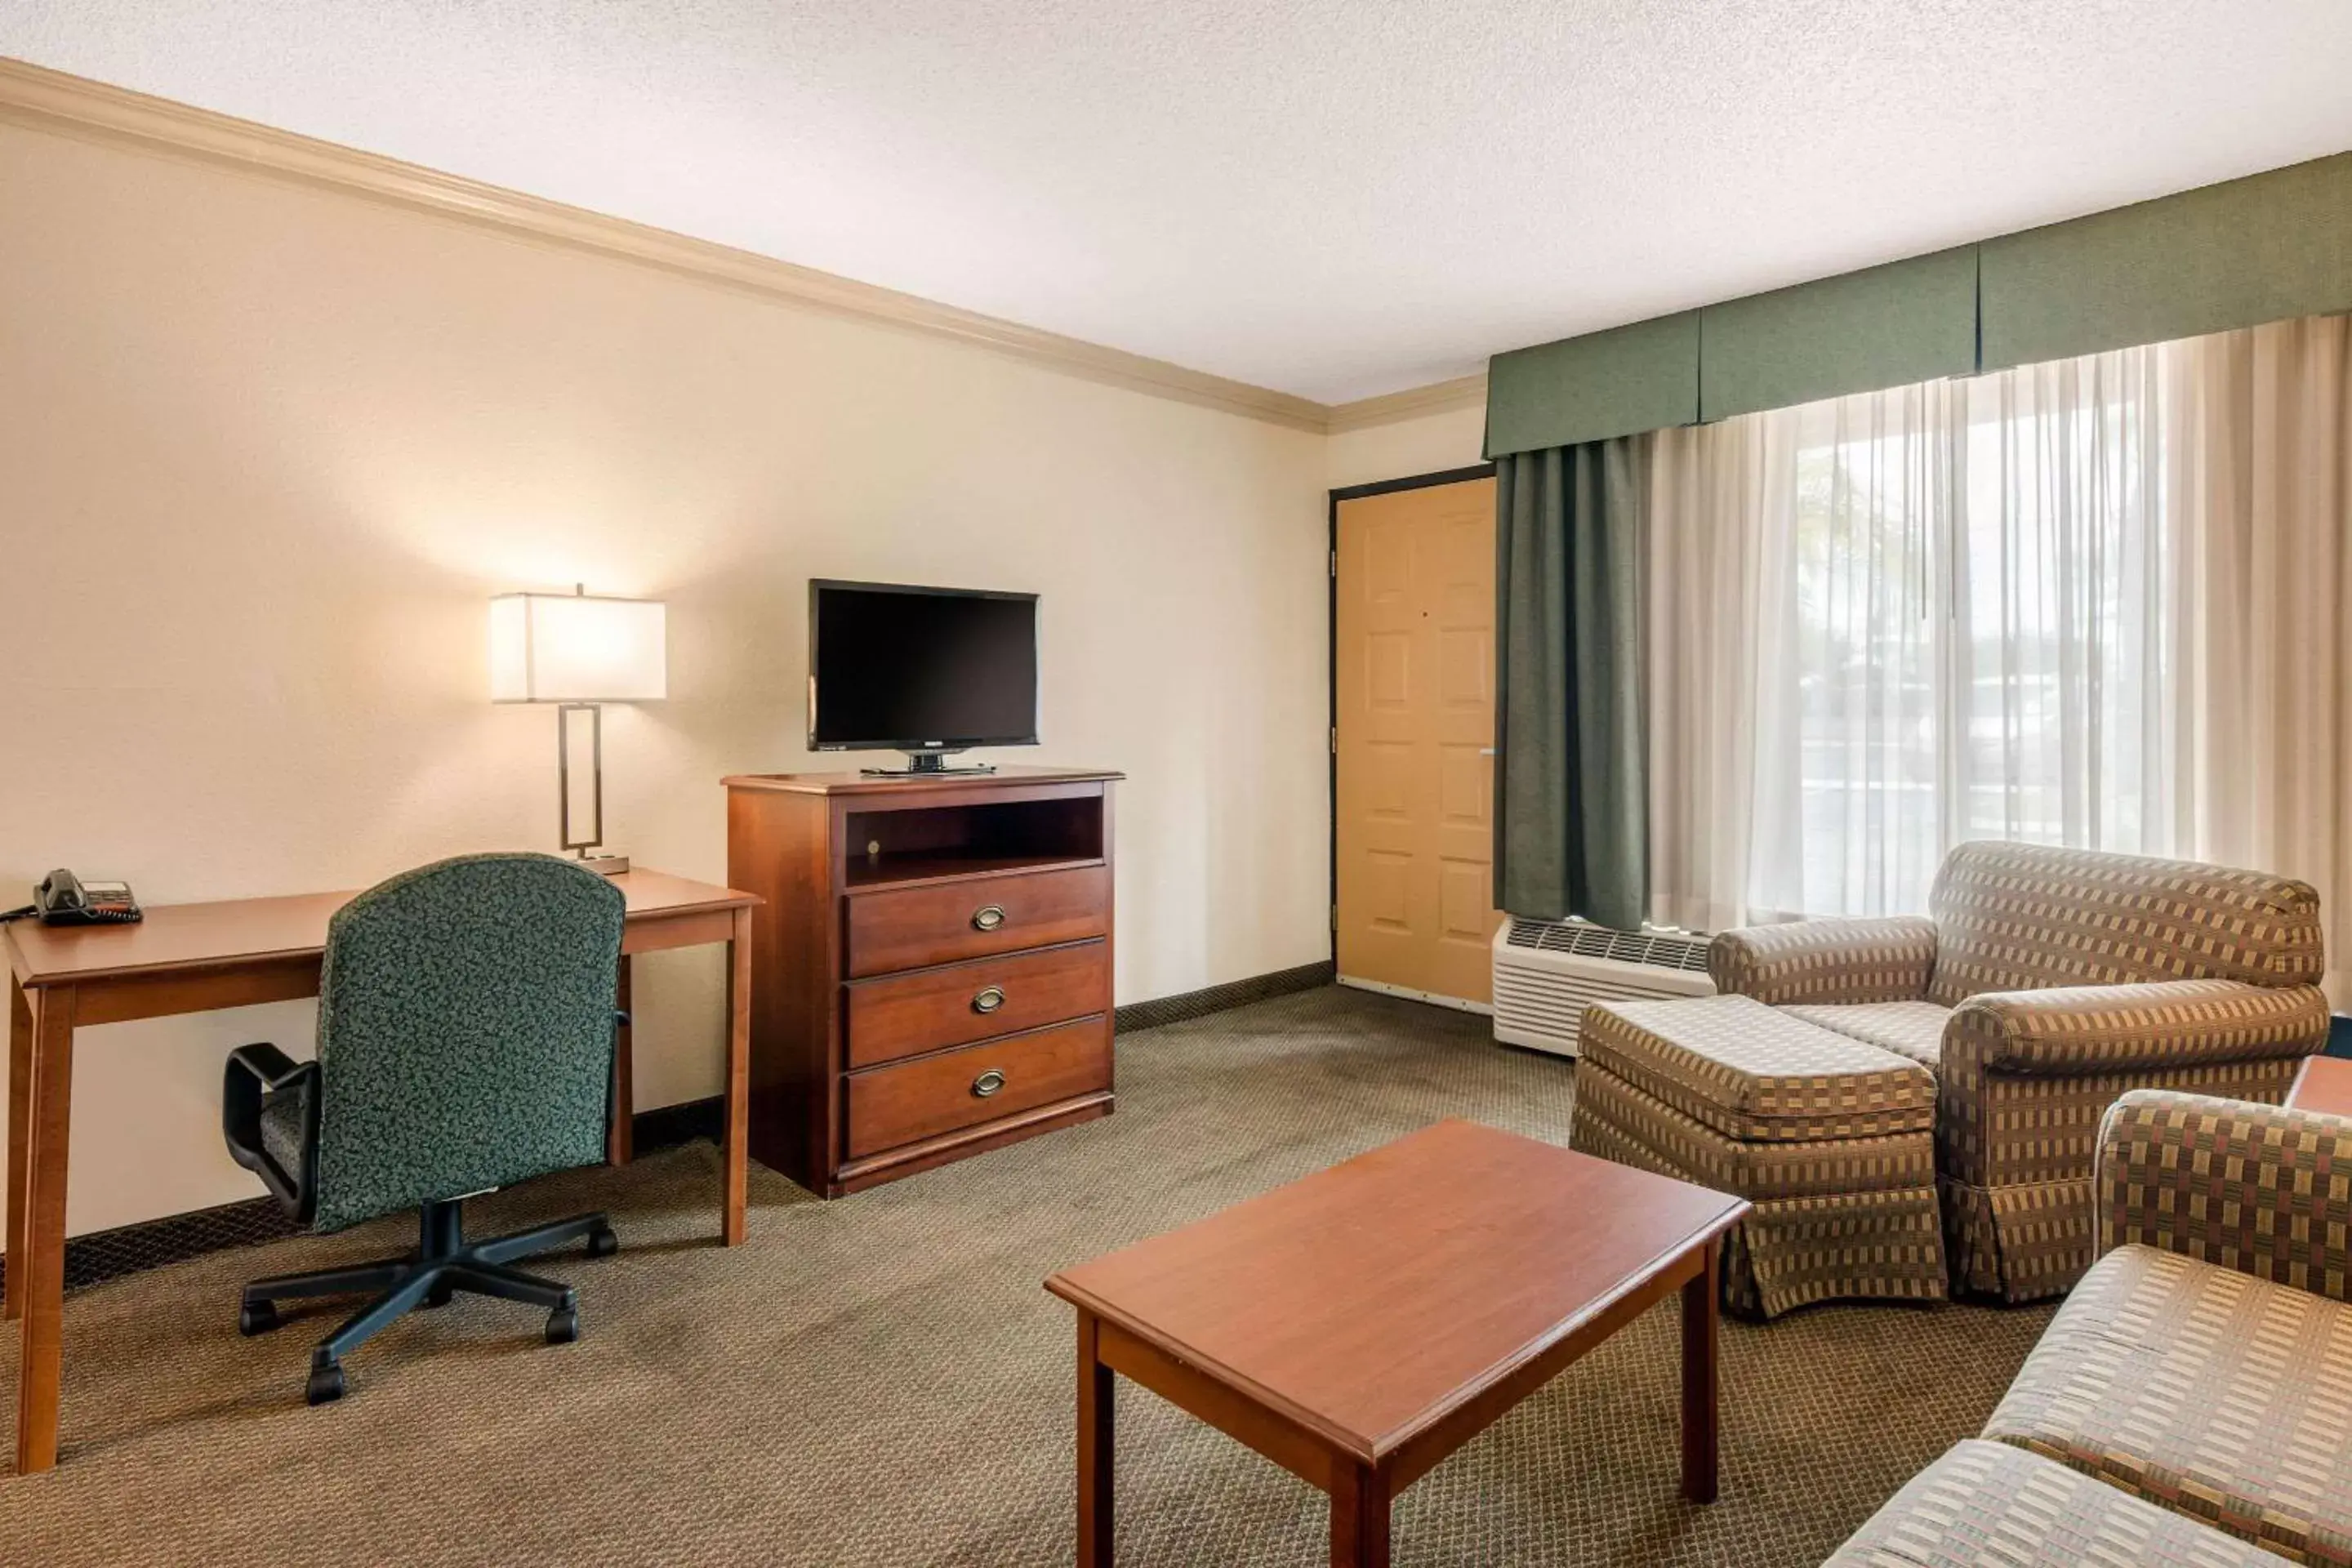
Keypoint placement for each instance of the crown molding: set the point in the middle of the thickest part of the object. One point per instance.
(1414, 403)
(50, 100)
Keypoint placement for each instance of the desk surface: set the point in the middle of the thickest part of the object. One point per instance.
(180, 938)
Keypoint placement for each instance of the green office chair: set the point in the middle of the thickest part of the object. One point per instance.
(466, 1042)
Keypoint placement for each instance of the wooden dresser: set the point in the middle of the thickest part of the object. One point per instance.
(932, 976)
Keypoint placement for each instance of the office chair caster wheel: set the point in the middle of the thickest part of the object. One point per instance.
(563, 1325)
(440, 1295)
(602, 1243)
(256, 1318)
(326, 1383)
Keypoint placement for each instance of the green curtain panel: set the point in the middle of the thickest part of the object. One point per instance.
(1571, 794)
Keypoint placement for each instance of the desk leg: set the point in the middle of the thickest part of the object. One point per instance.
(20, 1137)
(1095, 1430)
(621, 1137)
(1700, 1298)
(735, 1151)
(43, 1260)
(1359, 1517)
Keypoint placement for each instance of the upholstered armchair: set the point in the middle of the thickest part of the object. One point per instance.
(2043, 984)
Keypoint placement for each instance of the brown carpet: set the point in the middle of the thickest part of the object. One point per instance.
(882, 1381)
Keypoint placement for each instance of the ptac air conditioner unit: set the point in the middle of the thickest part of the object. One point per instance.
(1547, 971)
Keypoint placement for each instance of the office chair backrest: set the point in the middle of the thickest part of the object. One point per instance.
(465, 1032)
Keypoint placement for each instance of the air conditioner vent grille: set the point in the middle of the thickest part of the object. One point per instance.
(1585, 940)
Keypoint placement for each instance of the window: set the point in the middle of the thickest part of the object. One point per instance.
(1980, 596)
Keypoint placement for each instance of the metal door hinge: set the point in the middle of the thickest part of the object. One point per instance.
(1335, 563)
(1335, 740)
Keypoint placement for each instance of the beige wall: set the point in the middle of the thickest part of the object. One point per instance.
(266, 451)
(1429, 444)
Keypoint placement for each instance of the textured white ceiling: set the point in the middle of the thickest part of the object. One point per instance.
(1332, 197)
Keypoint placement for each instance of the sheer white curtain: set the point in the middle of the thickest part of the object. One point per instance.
(2259, 477)
(1722, 524)
(1886, 623)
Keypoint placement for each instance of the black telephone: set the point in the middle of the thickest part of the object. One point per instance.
(65, 899)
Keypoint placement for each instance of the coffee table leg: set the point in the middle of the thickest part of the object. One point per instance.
(1096, 1428)
(1700, 1296)
(1359, 1518)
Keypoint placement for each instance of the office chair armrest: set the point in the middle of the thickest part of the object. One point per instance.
(271, 1068)
(255, 1078)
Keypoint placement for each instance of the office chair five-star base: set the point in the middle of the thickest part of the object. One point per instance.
(443, 1265)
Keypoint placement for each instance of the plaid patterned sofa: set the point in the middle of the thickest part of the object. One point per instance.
(2043, 983)
(2192, 1400)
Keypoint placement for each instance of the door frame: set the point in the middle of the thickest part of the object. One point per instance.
(1331, 653)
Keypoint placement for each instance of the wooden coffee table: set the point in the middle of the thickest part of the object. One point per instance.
(1360, 1325)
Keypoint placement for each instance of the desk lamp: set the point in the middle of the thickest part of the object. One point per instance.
(579, 652)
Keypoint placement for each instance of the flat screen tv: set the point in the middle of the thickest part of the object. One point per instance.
(928, 671)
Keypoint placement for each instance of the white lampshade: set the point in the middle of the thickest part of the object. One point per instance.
(561, 647)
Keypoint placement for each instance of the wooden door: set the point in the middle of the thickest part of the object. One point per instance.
(1415, 675)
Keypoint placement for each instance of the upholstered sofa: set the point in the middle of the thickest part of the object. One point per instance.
(2192, 1397)
(2043, 983)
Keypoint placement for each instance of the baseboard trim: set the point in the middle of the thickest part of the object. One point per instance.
(134, 1249)
(1459, 1003)
(1209, 999)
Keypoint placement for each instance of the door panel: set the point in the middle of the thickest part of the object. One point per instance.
(1415, 659)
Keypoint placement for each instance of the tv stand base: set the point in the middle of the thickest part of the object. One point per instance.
(927, 765)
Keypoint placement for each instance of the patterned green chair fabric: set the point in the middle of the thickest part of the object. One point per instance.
(465, 1021)
(2049, 982)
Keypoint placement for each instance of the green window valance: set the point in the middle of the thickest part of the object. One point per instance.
(1617, 383)
(1885, 326)
(2265, 248)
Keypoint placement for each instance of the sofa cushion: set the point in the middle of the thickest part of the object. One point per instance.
(2018, 917)
(1913, 1029)
(1985, 1505)
(2203, 1389)
(1751, 1071)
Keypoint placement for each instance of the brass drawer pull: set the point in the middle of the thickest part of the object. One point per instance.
(988, 917)
(987, 1083)
(989, 1000)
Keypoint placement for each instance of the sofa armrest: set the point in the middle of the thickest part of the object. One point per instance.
(1827, 962)
(2261, 1189)
(2078, 1029)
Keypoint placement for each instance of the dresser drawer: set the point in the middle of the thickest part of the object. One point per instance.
(904, 1014)
(910, 928)
(910, 1100)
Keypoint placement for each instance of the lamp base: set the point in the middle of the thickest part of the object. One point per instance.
(605, 865)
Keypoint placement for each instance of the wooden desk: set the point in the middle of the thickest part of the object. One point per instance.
(1360, 1325)
(194, 958)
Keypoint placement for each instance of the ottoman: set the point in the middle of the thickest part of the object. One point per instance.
(1833, 1140)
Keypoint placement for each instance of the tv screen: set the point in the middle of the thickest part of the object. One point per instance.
(921, 668)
